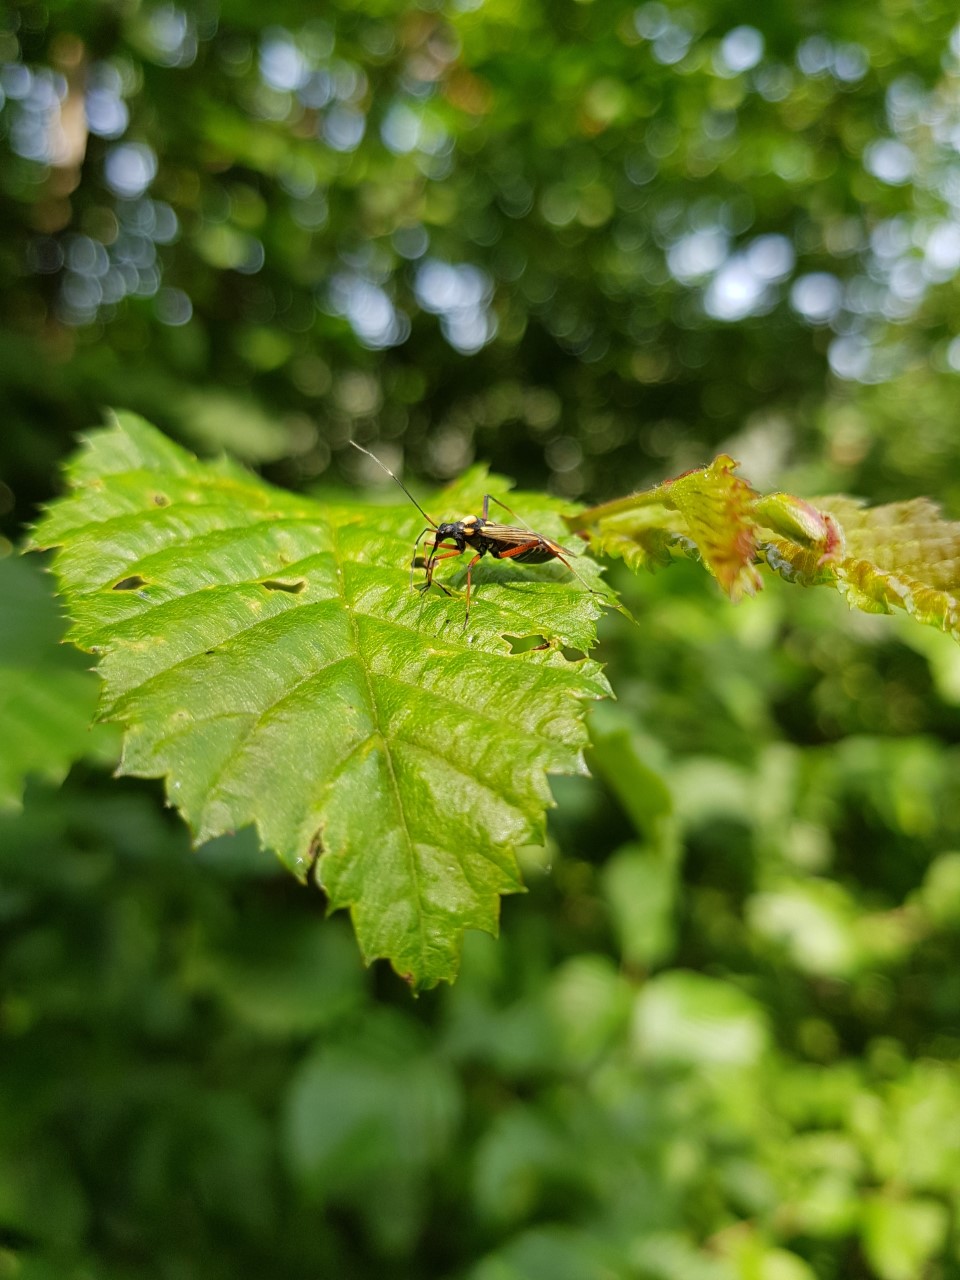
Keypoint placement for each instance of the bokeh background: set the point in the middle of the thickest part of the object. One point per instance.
(591, 244)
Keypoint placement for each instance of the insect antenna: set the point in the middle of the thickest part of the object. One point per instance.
(519, 519)
(384, 467)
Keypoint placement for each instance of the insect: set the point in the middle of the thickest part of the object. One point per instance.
(482, 536)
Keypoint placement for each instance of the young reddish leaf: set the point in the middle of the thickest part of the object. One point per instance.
(904, 555)
(708, 511)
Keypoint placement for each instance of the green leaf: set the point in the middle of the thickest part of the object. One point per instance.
(940, 891)
(550, 1252)
(900, 1237)
(640, 879)
(266, 656)
(902, 555)
(640, 887)
(688, 1018)
(815, 921)
(47, 699)
(366, 1120)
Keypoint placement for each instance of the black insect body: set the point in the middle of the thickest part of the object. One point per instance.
(482, 536)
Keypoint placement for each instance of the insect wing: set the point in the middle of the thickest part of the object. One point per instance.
(522, 546)
(511, 536)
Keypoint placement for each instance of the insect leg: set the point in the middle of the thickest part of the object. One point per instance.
(557, 553)
(532, 545)
(413, 561)
(431, 564)
(564, 561)
(466, 615)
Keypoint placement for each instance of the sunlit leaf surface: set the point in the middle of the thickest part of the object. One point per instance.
(267, 657)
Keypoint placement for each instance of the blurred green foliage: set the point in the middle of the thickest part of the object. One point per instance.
(47, 700)
(591, 244)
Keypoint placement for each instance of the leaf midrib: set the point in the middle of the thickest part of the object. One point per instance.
(375, 709)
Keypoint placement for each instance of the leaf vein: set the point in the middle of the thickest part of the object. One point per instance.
(286, 606)
(375, 709)
(258, 719)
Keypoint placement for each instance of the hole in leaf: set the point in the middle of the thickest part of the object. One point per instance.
(161, 500)
(572, 655)
(130, 584)
(292, 588)
(525, 644)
